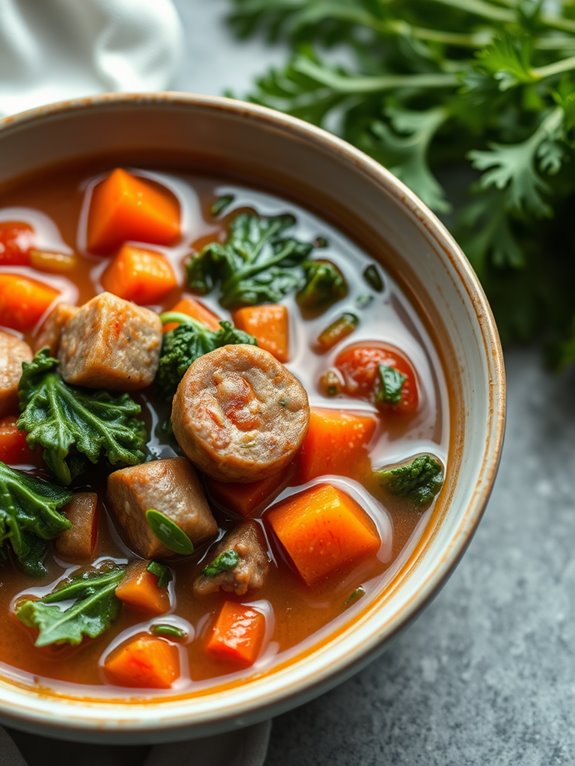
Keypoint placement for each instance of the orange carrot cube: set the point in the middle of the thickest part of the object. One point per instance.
(23, 301)
(237, 634)
(269, 324)
(145, 662)
(138, 275)
(140, 589)
(196, 310)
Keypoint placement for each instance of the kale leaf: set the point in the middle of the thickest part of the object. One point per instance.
(226, 561)
(260, 261)
(190, 340)
(419, 480)
(391, 385)
(324, 285)
(75, 426)
(92, 610)
(29, 517)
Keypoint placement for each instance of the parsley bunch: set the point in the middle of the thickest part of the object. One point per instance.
(424, 84)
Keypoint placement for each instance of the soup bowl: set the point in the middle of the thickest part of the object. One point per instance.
(331, 178)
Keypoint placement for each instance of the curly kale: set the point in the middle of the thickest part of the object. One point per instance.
(419, 480)
(324, 285)
(92, 610)
(189, 341)
(75, 426)
(259, 262)
(29, 517)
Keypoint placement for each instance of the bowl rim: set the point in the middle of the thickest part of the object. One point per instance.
(167, 720)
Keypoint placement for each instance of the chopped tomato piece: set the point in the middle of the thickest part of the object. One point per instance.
(138, 275)
(336, 443)
(237, 634)
(23, 301)
(125, 207)
(196, 310)
(269, 324)
(359, 365)
(140, 589)
(14, 448)
(145, 662)
(323, 530)
(16, 239)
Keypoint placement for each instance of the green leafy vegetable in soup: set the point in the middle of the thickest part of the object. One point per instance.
(324, 285)
(169, 533)
(29, 517)
(259, 262)
(418, 481)
(161, 572)
(92, 610)
(186, 343)
(74, 426)
(226, 561)
(390, 385)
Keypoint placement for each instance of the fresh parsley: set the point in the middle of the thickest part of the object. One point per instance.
(226, 561)
(391, 383)
(419, 480)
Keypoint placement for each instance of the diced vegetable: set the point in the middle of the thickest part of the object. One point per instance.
(145, 662)
(23, 301)
(124, 207)
(16, 239)
(138, 275)
(237, 634)
(259, 262)
(93, 609)
(169, 533)
(196, 310)
(418, 480)
(323, 530)
(373, 277)
(79, 542)
(222, 203)
(52, 261)
(354, 596)
(249, 499)
(141, 589)
(29, 517)
(168, 630)
(330, 383)
(74, 426)
(14, 448)
(335, 332)
(336, 443)
(361, 368)
(269, 324)
(189, 341)
(324, 285)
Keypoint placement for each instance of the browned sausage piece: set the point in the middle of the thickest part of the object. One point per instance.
(78, 542)
(51, 332)
(239, 414)
(111, 343)
(172, 487)
(251, 570)
(13, 352)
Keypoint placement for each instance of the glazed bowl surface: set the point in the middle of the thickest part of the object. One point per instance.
(341, 184)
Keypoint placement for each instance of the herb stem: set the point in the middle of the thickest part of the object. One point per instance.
(554, 69)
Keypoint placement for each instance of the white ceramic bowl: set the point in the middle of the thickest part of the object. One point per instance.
(342, 184)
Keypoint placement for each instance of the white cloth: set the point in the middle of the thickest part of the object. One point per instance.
(58, 49)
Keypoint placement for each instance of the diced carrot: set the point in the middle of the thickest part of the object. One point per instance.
(336, 442)
(124, 207)
(140, 589)
(138, 275)
(196, 310)
(237, 634)
(249, 499)
(79, 542)
(16, 238)
(323, 530)
(269, 324)
(145, 662)
(14, 449)
(23, 301)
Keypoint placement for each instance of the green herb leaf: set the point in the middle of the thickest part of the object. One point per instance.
(222, 204)
(324, 285)
(75, 426)
(92, 610)
(29, 517)
(161, 571)
(223, 563)
(169, 533)
(418, 481)
(391, 383)
(186, 343)
(259, 262)
(168, 630)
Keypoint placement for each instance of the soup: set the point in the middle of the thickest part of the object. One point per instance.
(224, 428)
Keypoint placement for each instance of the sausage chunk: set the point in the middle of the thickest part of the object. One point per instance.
(51, 332)
(170, 486)
(13, 352)
(251, 570)
(78, 542)
(239, 414)
(111, 343)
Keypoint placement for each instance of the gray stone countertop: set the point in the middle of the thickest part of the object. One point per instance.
(487, 674)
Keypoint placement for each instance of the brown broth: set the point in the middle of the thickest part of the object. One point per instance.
(61, 197)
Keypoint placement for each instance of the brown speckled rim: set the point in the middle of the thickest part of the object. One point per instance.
(199, 716)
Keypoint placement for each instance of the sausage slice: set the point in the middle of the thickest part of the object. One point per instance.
(239, 414)
(13, 352)
(251, 570)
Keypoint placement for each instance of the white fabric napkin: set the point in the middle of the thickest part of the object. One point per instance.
(52, 50)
